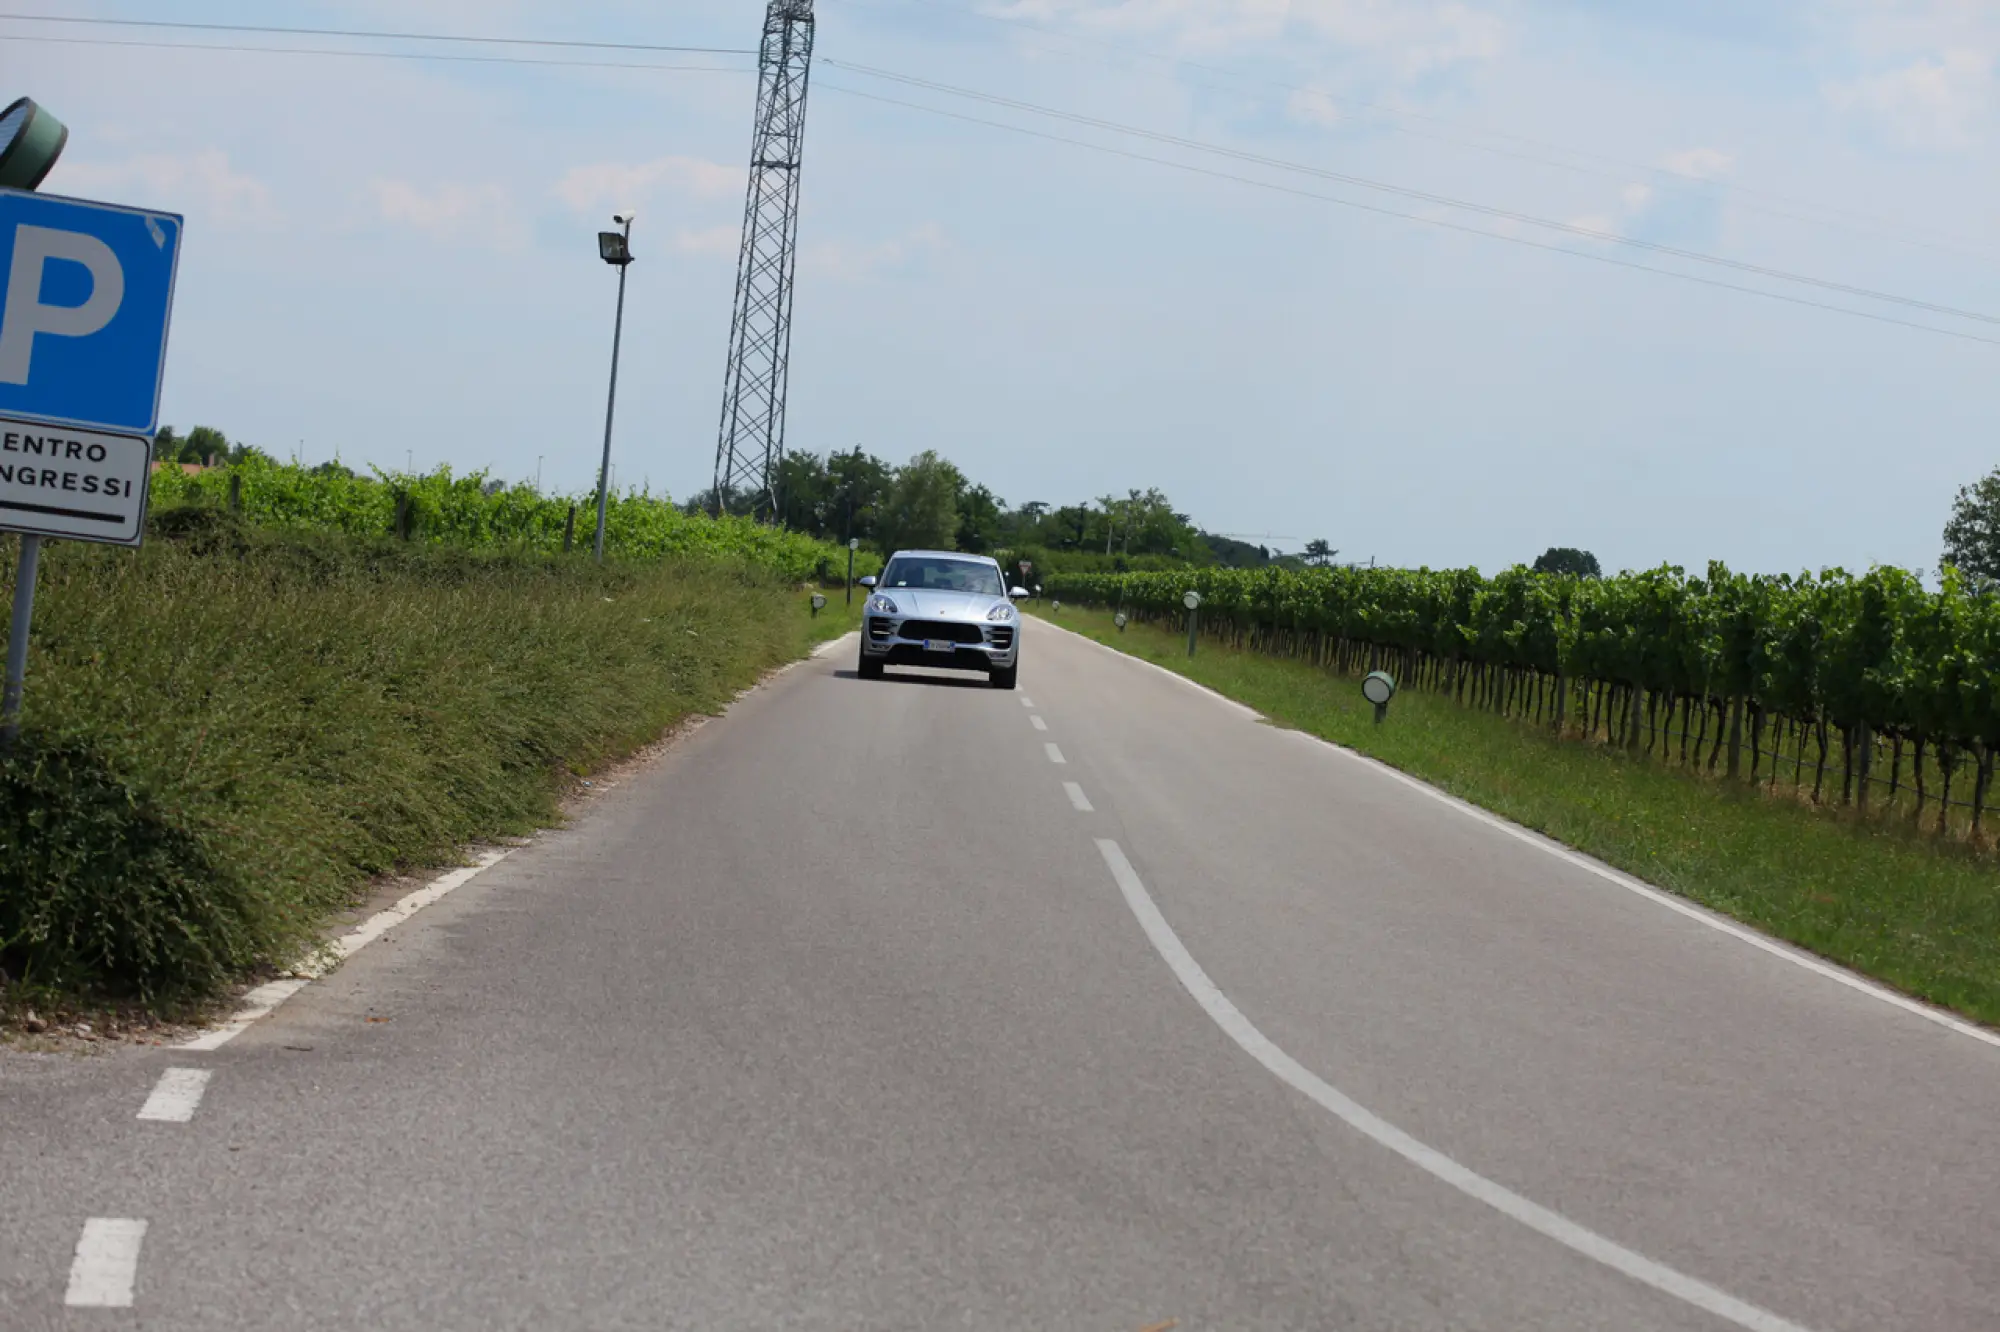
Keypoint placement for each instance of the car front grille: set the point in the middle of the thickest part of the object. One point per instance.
(1003, 637)
(956, 632)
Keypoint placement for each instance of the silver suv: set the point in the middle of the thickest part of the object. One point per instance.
(940, 608)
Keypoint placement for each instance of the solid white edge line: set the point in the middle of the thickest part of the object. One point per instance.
(1693, 911)
(1241, 709)
(1055, 754)
(263, 1000)
(1038, 723)
(1078, 798)
(1542, 1220)
(176, 1096)
(106, 1266)
(826, 649)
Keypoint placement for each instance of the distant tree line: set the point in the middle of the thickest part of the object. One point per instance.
(203, 446)
(928, 502)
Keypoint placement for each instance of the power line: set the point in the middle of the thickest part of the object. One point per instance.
(382, 36)
(1412, 217)
(1879, 228)
(1422, 196)
(364, 55)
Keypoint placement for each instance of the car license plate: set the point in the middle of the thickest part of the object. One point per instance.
(939, 645)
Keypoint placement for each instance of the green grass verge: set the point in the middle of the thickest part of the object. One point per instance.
(1921, 915)
(229, 732)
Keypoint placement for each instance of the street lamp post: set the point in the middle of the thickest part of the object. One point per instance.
(613, 247)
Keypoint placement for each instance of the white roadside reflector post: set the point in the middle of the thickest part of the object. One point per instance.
(1119, 620)
(1378, 688)
(819, 604)
(1192, 600)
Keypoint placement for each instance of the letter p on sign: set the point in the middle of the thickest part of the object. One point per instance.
(88, 291)
(26, 316)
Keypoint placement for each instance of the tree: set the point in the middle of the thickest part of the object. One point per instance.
(202, 444)
(1972, 533)
(1319, 552)
(857, 485)
(1568, 560)
(978, 519)
(802, 493)
(921, 512)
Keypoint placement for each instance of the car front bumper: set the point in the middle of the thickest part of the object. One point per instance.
(976, 645)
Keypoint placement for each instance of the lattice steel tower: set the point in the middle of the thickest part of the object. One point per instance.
(752, 439)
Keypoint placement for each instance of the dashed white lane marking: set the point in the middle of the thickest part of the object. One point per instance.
(1027, 702)
(261, 1001)
(106, 1265)
(1714, 920)
(179, 1091)
(1078, 798)
(1533, 1215)
(1055, 755)
(1038, 723)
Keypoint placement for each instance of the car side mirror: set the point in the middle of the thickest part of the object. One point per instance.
(866, 580)
(1017, 592)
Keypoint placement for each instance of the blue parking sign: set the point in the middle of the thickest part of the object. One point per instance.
(86, 290)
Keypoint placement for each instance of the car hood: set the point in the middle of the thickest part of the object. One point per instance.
(933, 604)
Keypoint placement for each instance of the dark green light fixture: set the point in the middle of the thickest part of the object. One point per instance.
(30, 142)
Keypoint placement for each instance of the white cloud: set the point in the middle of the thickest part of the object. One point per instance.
(608, 185)
(1633, 201)
(1698, 163)
(1415, 37)
(852, 263)
(202, 185)
(482, 213)
(1932, 101)
(1310, 106)
(709, 240)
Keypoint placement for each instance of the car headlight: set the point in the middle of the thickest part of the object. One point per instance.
(1003, 611)
(881, 606)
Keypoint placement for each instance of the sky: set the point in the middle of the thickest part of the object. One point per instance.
(392, 261)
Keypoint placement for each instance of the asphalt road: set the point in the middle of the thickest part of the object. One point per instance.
(847, 1014)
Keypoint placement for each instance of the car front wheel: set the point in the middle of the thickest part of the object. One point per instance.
(1004, 679)
(868, 668)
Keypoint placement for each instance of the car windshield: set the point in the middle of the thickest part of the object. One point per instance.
(942, 574)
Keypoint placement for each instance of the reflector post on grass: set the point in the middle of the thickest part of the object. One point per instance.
(1192, 600)
(819, 604)
(853, 544)
(1378, 688)
(1119, 620)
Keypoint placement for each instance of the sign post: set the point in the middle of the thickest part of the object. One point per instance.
(853, 544)
(86, 293)
(1192, 600)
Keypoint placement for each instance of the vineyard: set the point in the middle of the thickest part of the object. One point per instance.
(472, 511)
(1868, 690)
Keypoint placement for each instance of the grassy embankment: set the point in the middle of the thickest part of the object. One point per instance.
(231, 731)
(1919, 914)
